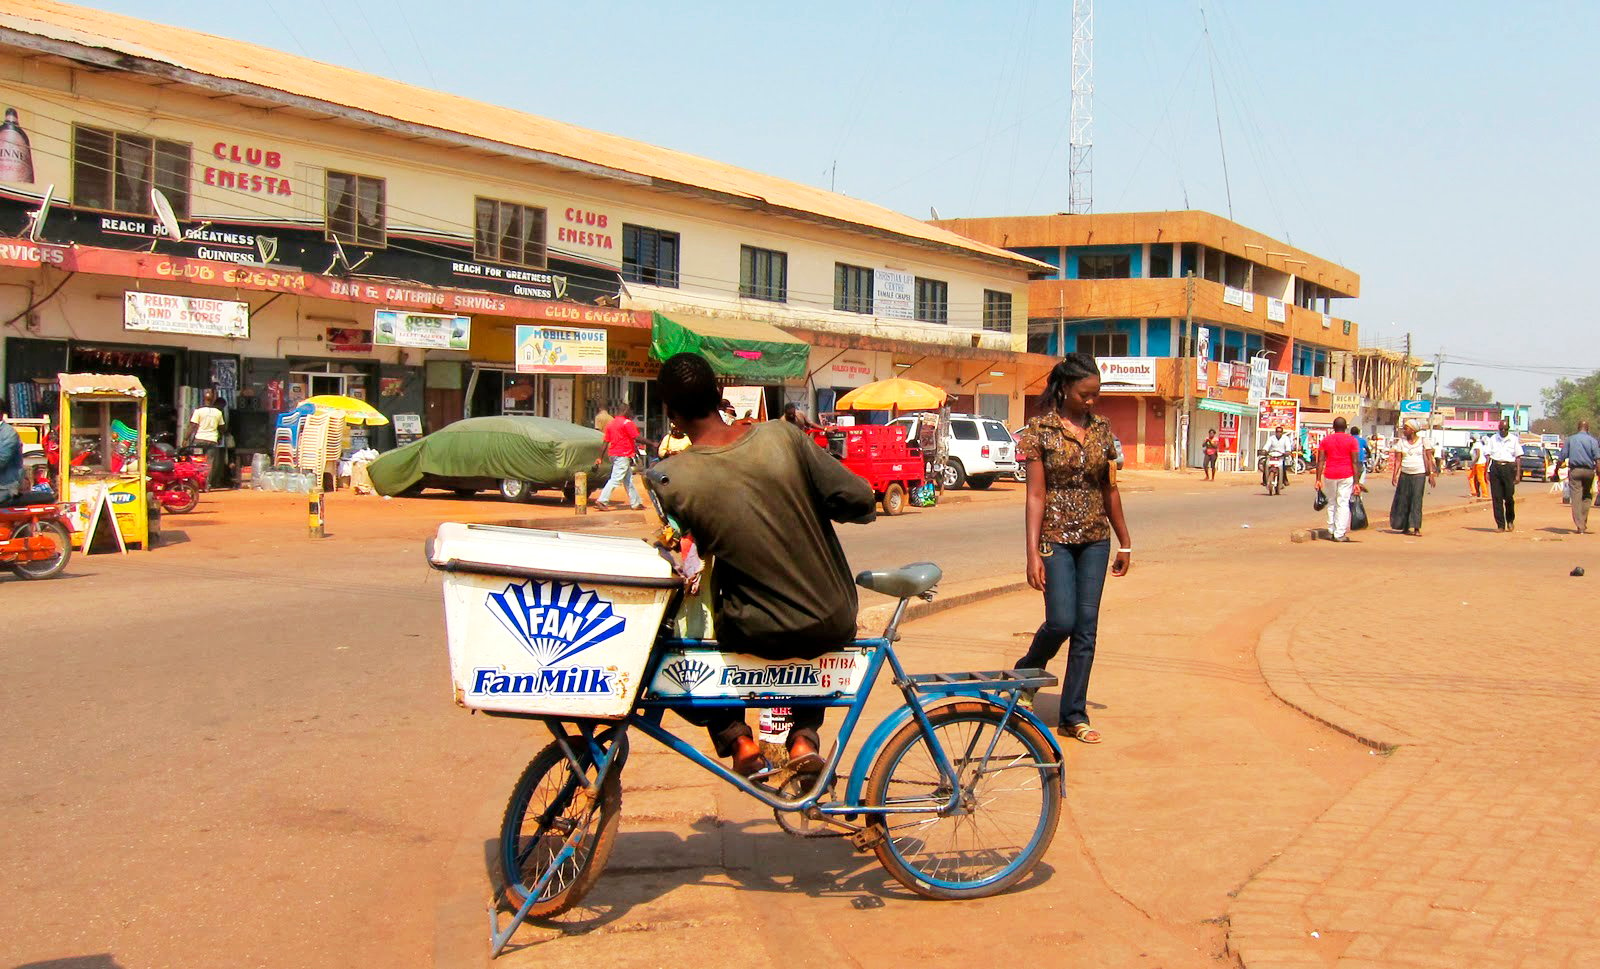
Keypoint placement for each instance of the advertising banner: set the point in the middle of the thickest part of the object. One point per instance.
(1249, 303)
(894, 294)
(1233, 297)
(190, 315)
(428, 331)
(1202, 357)
(1256, 392)
(1281, 412)
(560, 349)
(1277, 383)
(1347, 406)
(1275, 310)
(1239, 376)
(1124, 375)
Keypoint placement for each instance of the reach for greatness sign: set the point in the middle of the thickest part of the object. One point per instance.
(191, 315)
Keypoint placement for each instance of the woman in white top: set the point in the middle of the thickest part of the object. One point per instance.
(1413, 465)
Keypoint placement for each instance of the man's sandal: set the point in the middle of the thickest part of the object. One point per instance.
(1084, 733)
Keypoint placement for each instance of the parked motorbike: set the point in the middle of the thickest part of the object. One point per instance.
(188, 463)
(178, 495)
(35, 539)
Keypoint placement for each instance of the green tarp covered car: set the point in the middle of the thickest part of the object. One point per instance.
(515, 455)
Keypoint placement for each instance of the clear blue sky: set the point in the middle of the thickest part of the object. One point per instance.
(1445, 151)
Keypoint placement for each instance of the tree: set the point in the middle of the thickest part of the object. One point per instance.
(1547, 425)
(1571, 401)
(1469, 391)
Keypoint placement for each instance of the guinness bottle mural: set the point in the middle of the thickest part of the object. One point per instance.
(16, 155)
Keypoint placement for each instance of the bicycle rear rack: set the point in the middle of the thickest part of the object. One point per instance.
(985, 682)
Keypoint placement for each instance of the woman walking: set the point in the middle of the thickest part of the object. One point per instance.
(1072, 505)
(1412, 467)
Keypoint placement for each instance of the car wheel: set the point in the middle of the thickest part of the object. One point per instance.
(1021, 474)
(894, 500)
(569, 491)
(513, 490)
(980, 481)
(954, 474)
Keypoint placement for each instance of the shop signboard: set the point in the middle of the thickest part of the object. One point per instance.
(189, 315)
(427, 331)
(1233, 297)
(1259, 379)
(407, 428)
(1202, 358)
(1127, 375)
(848, 373)
(1281, 412)
(1228, 432)
(1328, 386)
(1275, 311)
(1416, 408)
(1239, 376)
(560, 349)
(894, 294)
(1278, 383)
(1347, 406)
(748, 402)
(1249, 304)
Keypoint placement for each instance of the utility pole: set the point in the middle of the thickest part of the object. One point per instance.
(1185, 352)
(1433, 402)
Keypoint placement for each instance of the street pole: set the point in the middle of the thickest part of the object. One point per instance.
(1433, 402)
(1187, 365)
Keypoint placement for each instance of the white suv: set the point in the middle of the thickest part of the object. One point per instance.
(980, 448)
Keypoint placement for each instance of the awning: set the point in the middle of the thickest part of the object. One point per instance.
(746, 349)
(1228, 407)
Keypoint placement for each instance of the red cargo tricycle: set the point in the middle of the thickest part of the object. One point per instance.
(881, 454)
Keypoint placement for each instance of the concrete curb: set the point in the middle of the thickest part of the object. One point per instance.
(871, 620)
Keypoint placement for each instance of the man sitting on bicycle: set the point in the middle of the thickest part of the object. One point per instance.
(759, 500)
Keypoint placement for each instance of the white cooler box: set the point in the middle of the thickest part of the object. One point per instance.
(550, 623)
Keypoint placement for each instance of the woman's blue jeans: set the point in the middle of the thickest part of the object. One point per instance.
(1074, 577)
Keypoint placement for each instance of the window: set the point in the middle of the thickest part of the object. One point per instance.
(852, 288)
(933, 301)
(763, 274)
(1103, 344)
(996, 431)
(115, 171)
(1102, 266)
(649, 256)
(964, 430)
(1213, 266)
(1161, 260)
(509, 233)
(996, 311)
(354, 208)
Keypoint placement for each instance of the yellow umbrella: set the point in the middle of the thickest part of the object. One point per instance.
(896, 393)
(352, 410)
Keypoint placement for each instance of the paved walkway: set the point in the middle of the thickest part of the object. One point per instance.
(1478, 842)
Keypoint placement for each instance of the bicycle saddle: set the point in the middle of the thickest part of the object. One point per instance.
(904, 582)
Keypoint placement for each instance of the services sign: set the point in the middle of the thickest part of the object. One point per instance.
(190, 315)
(894, 294)
(560, 349)
(1281, 412)
(1127, 375)
(428, 331)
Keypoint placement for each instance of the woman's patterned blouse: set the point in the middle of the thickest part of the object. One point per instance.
(1074, 506)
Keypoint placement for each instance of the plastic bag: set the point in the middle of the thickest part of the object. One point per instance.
(1358, 514)
(1320, 501)
(924, 495)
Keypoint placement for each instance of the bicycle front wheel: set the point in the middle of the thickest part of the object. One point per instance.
(549, 809)
(1003, 822)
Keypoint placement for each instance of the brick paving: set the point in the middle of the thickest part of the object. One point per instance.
(1478, 842)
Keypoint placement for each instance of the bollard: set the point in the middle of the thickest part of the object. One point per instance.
(316, 509)
(580, 493)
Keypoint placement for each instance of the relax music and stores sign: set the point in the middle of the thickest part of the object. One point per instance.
(191, 315)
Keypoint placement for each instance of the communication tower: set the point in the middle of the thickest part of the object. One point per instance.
(1080, 163)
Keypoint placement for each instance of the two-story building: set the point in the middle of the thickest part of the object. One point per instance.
(201, 212)
(1178, 306)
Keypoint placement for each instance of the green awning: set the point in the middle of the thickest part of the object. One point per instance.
(745, 349)
(1229, 407)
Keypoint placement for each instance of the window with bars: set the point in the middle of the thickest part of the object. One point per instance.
(763, 274)
(1103, 344)
(933, 300)
(509, 233)
(996, 311)
(852, 288)
(115, 171)
(354, 208)
(649, 256)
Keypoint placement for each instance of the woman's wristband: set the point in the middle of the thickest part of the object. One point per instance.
(1127, 551)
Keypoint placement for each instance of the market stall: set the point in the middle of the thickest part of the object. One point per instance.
(102, 456)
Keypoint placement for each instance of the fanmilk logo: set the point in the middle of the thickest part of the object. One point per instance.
(687, 673)
(553, 621)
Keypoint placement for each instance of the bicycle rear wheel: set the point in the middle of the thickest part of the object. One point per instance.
(548, 807)
(1002, 825)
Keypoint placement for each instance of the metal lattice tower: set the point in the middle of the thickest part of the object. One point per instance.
(1080, 162)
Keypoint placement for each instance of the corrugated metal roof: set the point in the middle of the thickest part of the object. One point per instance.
(276, 71)
(101, 383)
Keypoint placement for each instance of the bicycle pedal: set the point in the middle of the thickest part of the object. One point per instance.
(867, 838)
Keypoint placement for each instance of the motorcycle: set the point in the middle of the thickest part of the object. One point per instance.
(189, 463)
(173, 493)
(1274, 467)
(35, 539)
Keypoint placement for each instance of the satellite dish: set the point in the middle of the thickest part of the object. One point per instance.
(165, 215)
(933, 212)
(36, 218)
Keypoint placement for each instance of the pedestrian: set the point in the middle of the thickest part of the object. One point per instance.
(1336, 462)
(1072, 506)
(674, 442)
(622, 437)
(1210, 449)
(11, 469)
(1580, 454)
(1505, 454)
(1478, 473)
(1362, 454)
(794, 415)
(206, 427)
(729, 415)
(602, 418)
(1412, 466)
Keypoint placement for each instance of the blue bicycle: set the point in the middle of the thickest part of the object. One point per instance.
(957, 792)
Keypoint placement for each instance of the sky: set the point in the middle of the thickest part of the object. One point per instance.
(1443, 151)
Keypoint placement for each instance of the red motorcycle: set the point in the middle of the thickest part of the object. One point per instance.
(171, 484)
(35, 539)
(189, 463)
(171, 491)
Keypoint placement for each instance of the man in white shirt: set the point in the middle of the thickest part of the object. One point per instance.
(206, 427)
(1505, 453)
(1279, 445)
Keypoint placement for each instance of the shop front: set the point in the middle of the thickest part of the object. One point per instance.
(1235, 424)
(756, 362)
